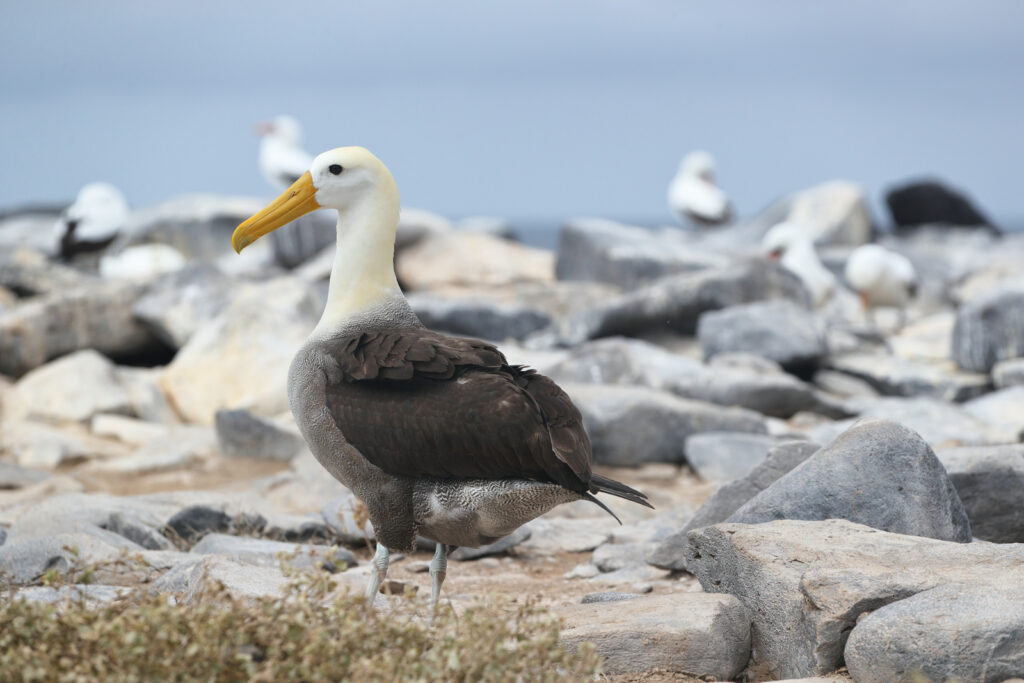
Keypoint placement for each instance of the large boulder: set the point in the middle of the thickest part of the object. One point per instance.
(1003, 410)
(835, 212)
(641, 634)
(807, 583)
(28, 272)
(179, 303)
(635, 425)
(877, 473)
(724, 456)
(468, 258)
(965, 632)
(990, 482)
(675, 303)
(989, 329)
(929, 201)
(478, 318)
(605, 251)
(199, 226)
(241, 358)
(73, 389)
(780, 331)
(240, 434)
(671, 551)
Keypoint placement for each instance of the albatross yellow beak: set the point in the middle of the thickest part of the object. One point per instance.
(297, 200)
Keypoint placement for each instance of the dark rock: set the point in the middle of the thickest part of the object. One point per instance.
(923, 202)
(178, 303)
(896, 376)
(724, 456)
(477, 317)
(96, 317)
(634, 425)
(499, 547)
(949, 633)
(806, 583)
(877, 473)
(671, 552)
(674, 303)
(605, 251)
(780, 331)
(989, 329)
(240, 434)
(607, 596)
(990, 482)
(193, 522)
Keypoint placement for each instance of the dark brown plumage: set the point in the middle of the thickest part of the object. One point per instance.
(418, 403)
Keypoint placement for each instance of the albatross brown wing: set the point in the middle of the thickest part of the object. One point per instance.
(421, 404)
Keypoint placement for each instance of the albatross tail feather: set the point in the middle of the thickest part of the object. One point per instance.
(600, 484)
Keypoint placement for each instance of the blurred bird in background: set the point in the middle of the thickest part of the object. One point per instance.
(693, 196)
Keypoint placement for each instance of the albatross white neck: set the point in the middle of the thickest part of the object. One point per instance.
(363, 275)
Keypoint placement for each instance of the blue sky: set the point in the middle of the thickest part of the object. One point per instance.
(527, 109)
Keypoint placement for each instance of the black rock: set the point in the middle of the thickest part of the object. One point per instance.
(926, 202)
(877, 473)
(989, 329)
(193, 522)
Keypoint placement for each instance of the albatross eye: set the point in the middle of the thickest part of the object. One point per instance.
(336, 169)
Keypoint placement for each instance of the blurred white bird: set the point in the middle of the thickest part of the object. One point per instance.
(97, 215)
(141, 262)
(282, 158)
(693, 195)
(881, 278)
(789, 244)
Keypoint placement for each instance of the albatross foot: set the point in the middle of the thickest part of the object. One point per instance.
(378, 570)
(438, 571)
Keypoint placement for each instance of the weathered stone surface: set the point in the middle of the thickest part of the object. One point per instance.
(877, 473)
(607, 596)
(605, 251)
(730, 497)
(14, 476)
(610, 557)
(3, 535)
(806, 583)
(466, 258)
(928, 201)
(88, 593)
(499, 547)
(190, 581)
(834, 212)
(241, 434)
(25, 560)
(724, 456)
(178, 304)
(193, 522)
(348, 519)
(990, 482)
(633, 425)
(1008, 373)
(674, 303)
(262, 328)
(896, 376)
(989, 329)
(780, 331)
(72, 388)
(263, 552)
(563, 535)
(949, 633)
(28, 272)
(647, 633)
(32, 444)
(180, 447)
(478, 317)
(148, 401)
(127, 429)
(197, 225)
(96, 317)
(1003, 410)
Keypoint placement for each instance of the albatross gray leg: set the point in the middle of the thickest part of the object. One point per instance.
(438, 570)
(378, 570)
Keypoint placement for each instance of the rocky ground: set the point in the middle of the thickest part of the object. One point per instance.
(834, 497)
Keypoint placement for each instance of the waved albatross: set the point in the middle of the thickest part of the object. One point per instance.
(439, 436)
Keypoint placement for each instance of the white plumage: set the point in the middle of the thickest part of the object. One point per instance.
(790, 243)
(693, 195)
(881, 277)
(98, 213)
(282, 158)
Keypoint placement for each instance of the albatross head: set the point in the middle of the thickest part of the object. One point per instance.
(348, 179)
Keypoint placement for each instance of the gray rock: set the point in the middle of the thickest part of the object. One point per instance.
(605, 251)
(674, 303)
(240, 434)
(671, 552)
(148, 401)
(25, 560)
(193, 522)
(1008, 373)
(348, 519)
(564, 535)
(896, 376)
(724, 456)
(3, 535)
(298, 528)
(30, 227)
(1003, 410)
(180, 447)
(654, 529)
(833, 213)
(611, 557)
(36, 445)
(607, 596)
(990, 482)
(305, 238)
(191, 581)
(499, 547)
(633, 425)
(262, 552)
(948, 633)
(15, 477)
(780, 331)
(28, 272)
(73, 388)
(88, 594)
(877, 473)
(646, 633)
(806, 583)
(96, 317)
(478, 317)
(179, 303)
(989, 329)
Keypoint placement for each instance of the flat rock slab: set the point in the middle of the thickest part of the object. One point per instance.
(699, 634)
(806, 583)
(191, 580)
(956, 632)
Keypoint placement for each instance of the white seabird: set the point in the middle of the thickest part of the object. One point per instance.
(693, 195)
(881, 277)
(97, 215)
(282, 158)
(790, 245)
